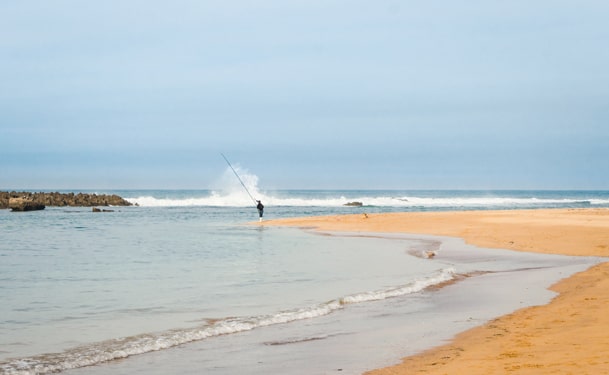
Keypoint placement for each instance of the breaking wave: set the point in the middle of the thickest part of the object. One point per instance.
(217, 199)
(105, 351)
(230, 193)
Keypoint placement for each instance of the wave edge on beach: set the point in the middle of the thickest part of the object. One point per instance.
(109, 350)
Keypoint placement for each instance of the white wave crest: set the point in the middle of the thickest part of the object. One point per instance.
(92, 354)
(241, 199)
(446, 275)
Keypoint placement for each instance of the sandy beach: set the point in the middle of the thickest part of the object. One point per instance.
(566, 336)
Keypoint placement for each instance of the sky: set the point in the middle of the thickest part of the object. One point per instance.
(312, 94)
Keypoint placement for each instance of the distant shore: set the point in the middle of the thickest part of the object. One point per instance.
(568, 335)
(64, 199)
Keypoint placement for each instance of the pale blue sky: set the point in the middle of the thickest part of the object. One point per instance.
(305, 94)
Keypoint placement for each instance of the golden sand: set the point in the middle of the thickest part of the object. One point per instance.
(570, 335)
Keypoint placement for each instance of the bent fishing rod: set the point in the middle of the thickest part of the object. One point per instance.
(239, 178)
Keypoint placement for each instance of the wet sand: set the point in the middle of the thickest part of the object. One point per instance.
(568, 335)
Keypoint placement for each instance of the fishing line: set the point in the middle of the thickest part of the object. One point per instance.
(239, 178)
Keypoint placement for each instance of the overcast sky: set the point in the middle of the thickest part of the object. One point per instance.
(305, 94)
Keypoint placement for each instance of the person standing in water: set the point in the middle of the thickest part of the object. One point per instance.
(260, 208)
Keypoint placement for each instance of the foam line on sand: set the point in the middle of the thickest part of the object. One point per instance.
(568, 335)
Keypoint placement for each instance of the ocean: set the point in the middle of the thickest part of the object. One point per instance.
(182, 283)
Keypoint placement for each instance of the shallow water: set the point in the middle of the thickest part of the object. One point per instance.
(157, 278)
(370, 335)
(194, 289)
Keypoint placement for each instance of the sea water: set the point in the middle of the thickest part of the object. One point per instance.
(182, 284)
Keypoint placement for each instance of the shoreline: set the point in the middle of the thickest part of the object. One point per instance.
(566, 335)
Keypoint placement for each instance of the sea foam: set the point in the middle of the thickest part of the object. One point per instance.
(237, 199)
(109, 350)
(229, 192)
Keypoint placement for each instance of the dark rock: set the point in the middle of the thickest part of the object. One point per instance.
(24, 204)
(4, 196)
(354, 204)
(95, 209)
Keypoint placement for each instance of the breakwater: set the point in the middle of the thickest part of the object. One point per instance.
(63, 199)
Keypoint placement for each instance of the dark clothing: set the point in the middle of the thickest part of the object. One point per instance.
(260, 208)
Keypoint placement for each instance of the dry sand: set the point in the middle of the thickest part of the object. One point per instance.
(570, 335)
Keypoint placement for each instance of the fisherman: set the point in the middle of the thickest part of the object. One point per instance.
(260, 208)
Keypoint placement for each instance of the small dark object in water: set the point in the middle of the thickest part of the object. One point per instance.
(354, 204)
(95, 209)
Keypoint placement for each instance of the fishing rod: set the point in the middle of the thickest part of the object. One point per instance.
(239, 178)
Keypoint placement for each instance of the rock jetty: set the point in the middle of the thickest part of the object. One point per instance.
(59, 199)
(24, 204)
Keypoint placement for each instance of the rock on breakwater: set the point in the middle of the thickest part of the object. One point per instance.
(64, 199)
(23, 204)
